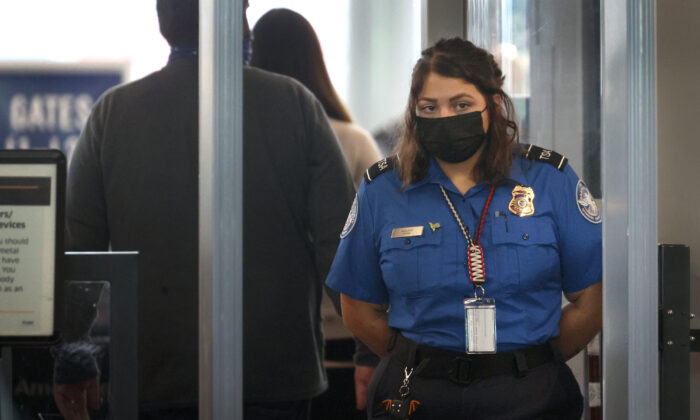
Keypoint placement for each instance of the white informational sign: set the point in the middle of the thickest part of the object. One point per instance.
(27, 249)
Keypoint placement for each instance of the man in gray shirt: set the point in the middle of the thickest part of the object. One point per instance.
(133, 185)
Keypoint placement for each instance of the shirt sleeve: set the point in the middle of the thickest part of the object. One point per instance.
(580, 234)
(355, 271)
(86, 216)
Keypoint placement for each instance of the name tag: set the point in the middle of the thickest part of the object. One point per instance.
(406, 232)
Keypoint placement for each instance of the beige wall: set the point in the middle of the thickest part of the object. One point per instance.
(678, 61)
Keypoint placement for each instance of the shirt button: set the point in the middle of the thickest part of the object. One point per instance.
(526, 236)
(407, 241)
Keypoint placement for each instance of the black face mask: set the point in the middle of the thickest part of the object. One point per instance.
(452, 139)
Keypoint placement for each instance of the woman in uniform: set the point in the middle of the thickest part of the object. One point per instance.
(456, 252)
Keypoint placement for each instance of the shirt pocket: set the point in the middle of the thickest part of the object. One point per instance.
(410, 264)
(526, 252)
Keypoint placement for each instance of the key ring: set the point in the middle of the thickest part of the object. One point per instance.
(404, 390)
(476, 289)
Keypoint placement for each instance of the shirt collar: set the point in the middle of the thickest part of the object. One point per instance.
(435, 175)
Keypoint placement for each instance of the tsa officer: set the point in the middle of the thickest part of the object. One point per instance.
(456, 252)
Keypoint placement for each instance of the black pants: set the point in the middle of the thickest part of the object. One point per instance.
(179, 413)
(291, 410)
(548, 391)
(338, 402)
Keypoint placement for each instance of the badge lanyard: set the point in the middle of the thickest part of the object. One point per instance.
(480, 312)
(475, 253)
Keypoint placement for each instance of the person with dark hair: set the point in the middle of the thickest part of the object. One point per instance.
(457, 250)
(284, 42)
(133, 185)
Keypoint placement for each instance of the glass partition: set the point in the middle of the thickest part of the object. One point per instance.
(549, 53)
(92, 370)
(83, 353)
(59, 60)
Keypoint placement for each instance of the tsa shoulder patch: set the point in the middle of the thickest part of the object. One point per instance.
(586, 204)
(350, 222)
(380, 167)
(544, 155)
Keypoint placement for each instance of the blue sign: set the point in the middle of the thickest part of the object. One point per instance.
(48, 107)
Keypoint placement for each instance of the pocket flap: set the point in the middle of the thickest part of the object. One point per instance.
(524, 231)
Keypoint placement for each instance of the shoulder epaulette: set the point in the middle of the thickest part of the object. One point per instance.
(380, 167)
(545, 155)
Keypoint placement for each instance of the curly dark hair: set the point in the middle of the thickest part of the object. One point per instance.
(459, 58)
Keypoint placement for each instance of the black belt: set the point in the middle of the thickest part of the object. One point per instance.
(464, 368)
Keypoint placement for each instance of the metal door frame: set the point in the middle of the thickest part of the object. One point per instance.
(629, 176)
(220, 209)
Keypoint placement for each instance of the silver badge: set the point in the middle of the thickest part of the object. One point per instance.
(586, 204)
(350, 222)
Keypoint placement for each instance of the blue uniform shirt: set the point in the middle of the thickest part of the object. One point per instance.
(529, 260)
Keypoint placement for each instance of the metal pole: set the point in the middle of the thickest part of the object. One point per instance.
(630, 275)
(220, 210)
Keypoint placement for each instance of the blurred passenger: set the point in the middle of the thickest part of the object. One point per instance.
(133, 185)
(285, 42)
(388, 135)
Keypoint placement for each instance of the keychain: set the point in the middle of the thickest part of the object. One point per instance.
(404, 407)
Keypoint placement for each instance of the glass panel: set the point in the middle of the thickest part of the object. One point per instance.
(54, 69)
(49, 83)
(368, 49)
(82, 357)
(678, 147)
(550, 54)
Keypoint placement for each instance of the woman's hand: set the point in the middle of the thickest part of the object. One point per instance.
(368, 322)
(580, 320)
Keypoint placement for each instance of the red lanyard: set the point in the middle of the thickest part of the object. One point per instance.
(475, 254)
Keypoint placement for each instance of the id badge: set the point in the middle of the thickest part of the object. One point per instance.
(480, 324)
